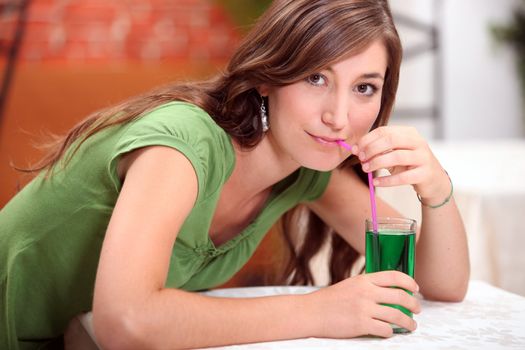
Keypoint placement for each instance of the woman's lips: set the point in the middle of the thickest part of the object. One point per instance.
(325, 140)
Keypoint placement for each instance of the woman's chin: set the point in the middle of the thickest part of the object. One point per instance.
(323, 165)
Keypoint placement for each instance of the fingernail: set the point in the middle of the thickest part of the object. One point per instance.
(366, 166)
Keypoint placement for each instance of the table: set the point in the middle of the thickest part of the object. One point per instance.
(488, 318)
(489, 188)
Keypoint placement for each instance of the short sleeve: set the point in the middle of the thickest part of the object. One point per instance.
(186, 128)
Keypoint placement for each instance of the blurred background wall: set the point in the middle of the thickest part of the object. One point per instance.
(457, 81)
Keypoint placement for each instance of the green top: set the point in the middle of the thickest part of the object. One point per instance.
(52, 231)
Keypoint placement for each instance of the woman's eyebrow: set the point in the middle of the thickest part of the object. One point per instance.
(363, 76)
(372, 76)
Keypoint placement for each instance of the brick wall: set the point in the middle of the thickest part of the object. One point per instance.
(79, 56)
(141, 30)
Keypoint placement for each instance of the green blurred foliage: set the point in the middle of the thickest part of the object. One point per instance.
(514, 35)
(244, 12)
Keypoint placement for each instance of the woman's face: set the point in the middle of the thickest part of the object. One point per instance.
(340, 102)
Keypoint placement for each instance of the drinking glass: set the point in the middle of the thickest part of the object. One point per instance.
(392, 247)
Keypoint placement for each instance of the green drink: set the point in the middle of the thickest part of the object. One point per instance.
(392, 248)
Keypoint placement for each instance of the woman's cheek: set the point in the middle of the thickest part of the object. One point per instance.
(364, 126)
(372, 117)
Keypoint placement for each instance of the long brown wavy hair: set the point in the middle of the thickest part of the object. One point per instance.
(291, 40)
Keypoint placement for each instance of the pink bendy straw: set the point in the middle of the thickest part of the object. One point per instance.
(370, 187)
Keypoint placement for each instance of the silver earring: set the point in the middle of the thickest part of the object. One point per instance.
(264, 117)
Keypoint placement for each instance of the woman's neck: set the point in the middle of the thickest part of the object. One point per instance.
(245, 193)
(258, 169)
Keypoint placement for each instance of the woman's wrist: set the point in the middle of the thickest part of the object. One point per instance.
(442, 198)
(313, 314)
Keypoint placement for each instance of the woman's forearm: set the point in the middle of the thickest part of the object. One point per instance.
(442, 260)
(180, 320)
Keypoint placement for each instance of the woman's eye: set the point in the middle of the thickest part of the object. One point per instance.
(366, 89)
(316, 79)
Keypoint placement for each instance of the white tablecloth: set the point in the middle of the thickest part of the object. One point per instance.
(488, 318)
(489, 188)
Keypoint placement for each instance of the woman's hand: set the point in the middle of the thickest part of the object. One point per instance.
(407, 156)
(352, 307)
(442, 265)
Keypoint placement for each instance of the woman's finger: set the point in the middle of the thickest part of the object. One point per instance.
(398, 296)
(393, 279)
(393, 159)
(393, 316)
(379, 328)
(385, 139)
(407, 177)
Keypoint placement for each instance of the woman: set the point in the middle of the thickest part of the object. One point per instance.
(171, 192)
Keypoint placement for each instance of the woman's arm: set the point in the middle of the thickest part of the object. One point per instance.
(442, 261)
(132, 309)
(442, 265)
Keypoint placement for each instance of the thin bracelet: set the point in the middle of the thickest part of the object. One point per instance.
(446, 199)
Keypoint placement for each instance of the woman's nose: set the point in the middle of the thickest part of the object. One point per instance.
(336, 117)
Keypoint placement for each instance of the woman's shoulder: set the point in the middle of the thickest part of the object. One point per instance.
(178, 114)
(179, 122)
(190, 130)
